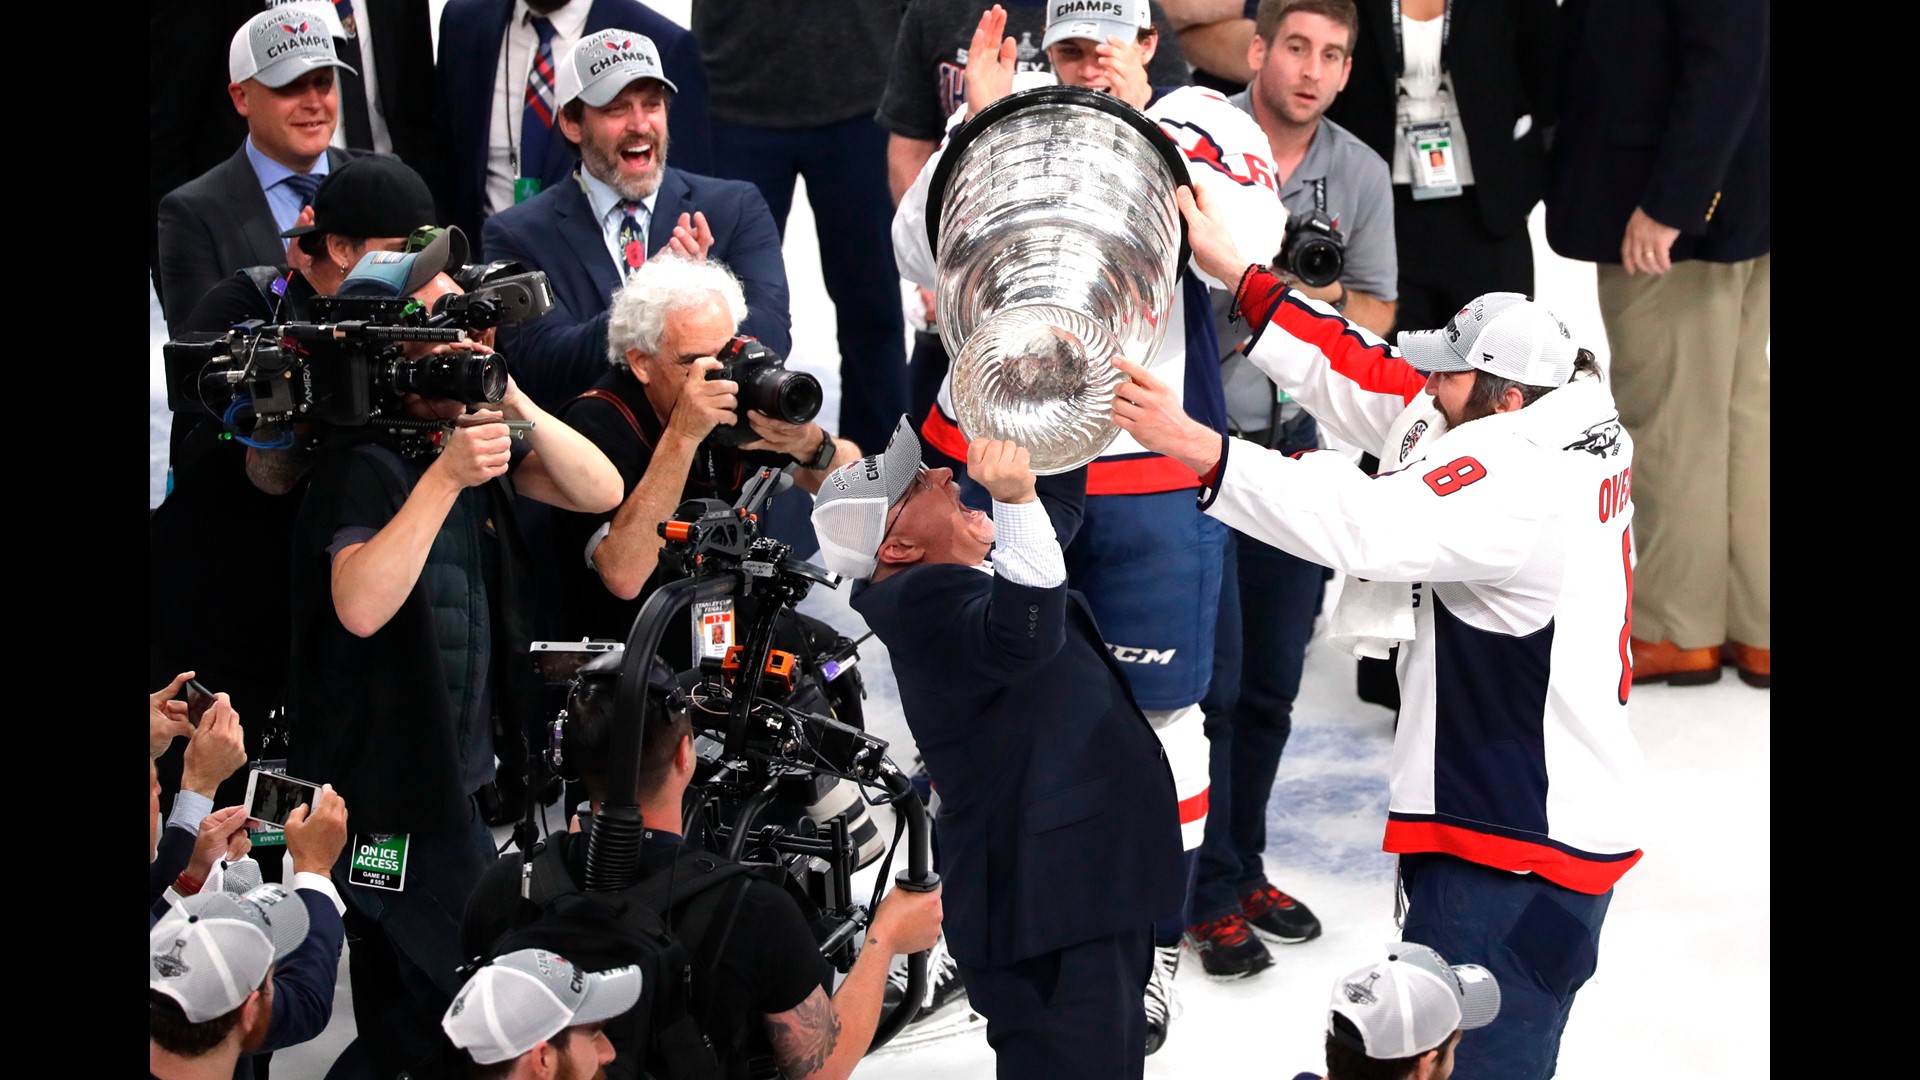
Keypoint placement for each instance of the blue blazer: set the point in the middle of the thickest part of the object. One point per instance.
(471, 33)
(1667, 108)
(1058, 822)
(565, 351)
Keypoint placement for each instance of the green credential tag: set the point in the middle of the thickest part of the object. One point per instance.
(379, 861)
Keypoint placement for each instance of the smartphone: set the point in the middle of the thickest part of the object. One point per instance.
(199, 700)
(272, 796)
(559, 661)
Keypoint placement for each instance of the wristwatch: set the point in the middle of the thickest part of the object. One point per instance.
(1340, 305)
(823, 457)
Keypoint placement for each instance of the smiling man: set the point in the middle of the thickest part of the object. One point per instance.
(622, 206)
(281, 66)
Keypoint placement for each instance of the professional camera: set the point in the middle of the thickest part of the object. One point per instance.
(766, 385)
(756, 733)
(1313, 251)
(347, 367)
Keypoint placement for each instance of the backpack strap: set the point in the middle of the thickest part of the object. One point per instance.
(611, 398)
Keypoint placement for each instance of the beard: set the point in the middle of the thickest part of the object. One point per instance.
(603, 161)
(1469, 411)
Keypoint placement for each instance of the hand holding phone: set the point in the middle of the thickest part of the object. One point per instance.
(272, 797)
(199, 700)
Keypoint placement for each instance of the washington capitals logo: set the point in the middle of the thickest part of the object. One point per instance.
(1418, 429)
(301, 29)
(618, 45)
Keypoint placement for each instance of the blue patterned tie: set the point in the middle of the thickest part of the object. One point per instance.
(536, 122)
(633, 239)
(304, 185)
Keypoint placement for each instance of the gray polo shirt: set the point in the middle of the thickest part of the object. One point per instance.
(1358, 192)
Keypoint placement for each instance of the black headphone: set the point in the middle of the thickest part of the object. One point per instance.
(603, 672)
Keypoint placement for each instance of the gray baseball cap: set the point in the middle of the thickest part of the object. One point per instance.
(524, 998)
(1502, 333)
(1095, 20)
(281, 44)
(601, 65)
(212, 949)
(1411, 1002)
(850, 513)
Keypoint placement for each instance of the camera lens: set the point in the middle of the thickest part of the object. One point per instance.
(1318, 262)
(797, 399)
(472, 378)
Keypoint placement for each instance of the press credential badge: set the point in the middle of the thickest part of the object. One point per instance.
(379, 861)
(1434, 175)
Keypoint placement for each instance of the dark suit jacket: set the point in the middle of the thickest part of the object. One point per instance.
(565, 351)
(1058, 821)
(471, 34)
(191, 125)
(1667, 109)
(214, 225)
(1500, 60)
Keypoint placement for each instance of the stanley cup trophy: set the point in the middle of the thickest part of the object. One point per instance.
(1058, 246)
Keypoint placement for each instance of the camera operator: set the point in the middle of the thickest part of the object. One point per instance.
(655, 415)
(409, 605)
(224, 488)
(758, 978)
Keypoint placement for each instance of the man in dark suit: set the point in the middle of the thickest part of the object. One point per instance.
(1660, 175)
(1059, 837)
(281, 71)
(622, 206)
(489, 51)
(191, 128)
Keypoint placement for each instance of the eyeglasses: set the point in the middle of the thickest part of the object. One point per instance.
(899, 508)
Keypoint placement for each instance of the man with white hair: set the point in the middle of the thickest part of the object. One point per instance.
(652, 415)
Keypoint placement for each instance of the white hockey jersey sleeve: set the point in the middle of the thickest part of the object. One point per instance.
(1227, 155)
(1466, 513)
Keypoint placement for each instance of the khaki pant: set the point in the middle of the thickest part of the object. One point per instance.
(1691, 376)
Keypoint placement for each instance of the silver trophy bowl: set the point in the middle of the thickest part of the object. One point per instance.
(1058, 246)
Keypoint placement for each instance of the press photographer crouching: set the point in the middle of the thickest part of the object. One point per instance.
(757, 972)
(409, 581)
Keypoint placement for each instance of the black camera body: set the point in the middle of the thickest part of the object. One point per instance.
(765, 385)
(1313, 251)
(348, 367)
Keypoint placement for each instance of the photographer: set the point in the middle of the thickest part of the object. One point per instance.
(657, 416)
(215, 750)
(757, 974)
(409, 605)
(224, 488)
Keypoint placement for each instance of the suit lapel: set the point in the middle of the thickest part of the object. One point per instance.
(249, 205)
(583, 235)
(675, 199)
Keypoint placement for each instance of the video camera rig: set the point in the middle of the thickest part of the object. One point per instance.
(724, 554)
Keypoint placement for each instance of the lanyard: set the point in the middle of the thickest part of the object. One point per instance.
(1320, 194)
(1400, 45)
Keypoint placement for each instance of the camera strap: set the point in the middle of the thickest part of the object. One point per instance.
(619, 403)
(1319, 194)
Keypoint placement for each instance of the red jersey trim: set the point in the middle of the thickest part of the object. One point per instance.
(1194, 809)
(1147, 474)
(1592, 876)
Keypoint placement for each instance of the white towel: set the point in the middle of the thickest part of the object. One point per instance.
(1371, 617)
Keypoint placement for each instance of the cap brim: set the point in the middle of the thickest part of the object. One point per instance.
(1428, 351)
(1480, 996)
(608, 994)
(1087, 30)
(282, 72)
(605, 90)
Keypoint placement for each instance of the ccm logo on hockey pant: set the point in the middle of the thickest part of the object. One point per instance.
(1130, 654)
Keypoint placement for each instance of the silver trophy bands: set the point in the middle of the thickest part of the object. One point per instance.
(1058, 245)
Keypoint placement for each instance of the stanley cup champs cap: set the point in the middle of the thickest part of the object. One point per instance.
(212, 949)
(1502, 333)
(1412, 1001)
(1095, 20)
(524, 998)
(281, 44)
(850, 513)
(601, 65)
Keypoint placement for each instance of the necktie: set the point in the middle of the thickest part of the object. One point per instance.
(304, 184)
(536, 122)
(353, 90)
(633, 239)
